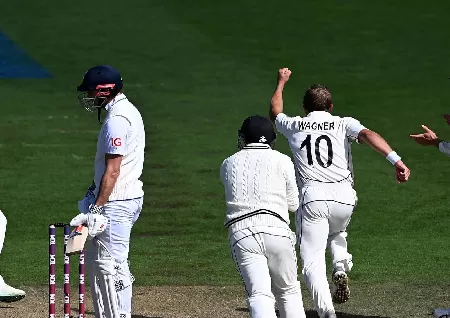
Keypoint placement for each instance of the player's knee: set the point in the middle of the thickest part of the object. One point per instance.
(288, 289)
(260, 296)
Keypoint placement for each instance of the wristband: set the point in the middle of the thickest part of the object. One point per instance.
(392, 157)
(95, 209)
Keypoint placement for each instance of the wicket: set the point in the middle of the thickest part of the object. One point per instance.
(52, 275)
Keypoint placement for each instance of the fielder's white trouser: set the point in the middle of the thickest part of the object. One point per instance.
(322, 222)
(113, 246)
(266, 260)
(2, 230)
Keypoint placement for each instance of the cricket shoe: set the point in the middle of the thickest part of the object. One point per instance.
(9, 294)
(441, 313)
(341, 292)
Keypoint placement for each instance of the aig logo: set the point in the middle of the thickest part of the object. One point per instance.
(116, 142)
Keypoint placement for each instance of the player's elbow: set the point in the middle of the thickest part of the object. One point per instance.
(273, 114)
(366, 135)
(113, 172)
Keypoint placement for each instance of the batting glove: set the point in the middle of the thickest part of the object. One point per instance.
(96, 223)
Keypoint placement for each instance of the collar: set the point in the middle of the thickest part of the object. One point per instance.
(319, 113)
(257, 145)
(118, 98)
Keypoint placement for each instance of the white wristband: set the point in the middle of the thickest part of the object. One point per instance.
(392, 157)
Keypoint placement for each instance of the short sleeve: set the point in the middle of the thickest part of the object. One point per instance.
(116, 131)
(285, 124)
(354, 127)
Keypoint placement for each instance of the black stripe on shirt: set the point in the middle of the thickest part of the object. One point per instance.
(257, 212)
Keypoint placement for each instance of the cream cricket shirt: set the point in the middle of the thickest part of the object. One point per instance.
(321, 146)
(258, 178)
(122, 133)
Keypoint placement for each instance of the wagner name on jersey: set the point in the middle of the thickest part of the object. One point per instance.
(321, 144)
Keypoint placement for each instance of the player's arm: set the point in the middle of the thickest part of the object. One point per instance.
(291, 186)
(377, 143)
(429, 138)
(116, 132)
(109, 179)
(284, 124)
(276, 103)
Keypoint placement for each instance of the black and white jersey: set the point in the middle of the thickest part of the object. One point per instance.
(321, 146)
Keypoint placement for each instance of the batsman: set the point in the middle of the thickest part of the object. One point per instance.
(114, 200)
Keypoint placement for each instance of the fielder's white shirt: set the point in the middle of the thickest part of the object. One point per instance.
(321, 146)
(444, 147)
(259, 178)
(122, 133)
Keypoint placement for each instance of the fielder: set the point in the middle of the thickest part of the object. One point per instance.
(320, 144)
(260, 189)
(429, 138)
(114, 200)
(8, 294)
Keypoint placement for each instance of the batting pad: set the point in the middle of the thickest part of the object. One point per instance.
(105, 270)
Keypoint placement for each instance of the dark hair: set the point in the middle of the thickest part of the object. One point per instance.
(317, 98)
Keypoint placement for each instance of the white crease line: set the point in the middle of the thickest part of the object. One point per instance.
(62, 131)
(24, 144)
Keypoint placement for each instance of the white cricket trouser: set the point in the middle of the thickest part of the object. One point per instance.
(116, 238)
(322, 222)
(266, 260)
(2, 230)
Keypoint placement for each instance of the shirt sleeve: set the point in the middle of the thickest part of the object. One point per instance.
(291, 185)
(444, 147)
(353, 128)
(285, 124)
(222, 172)
(116, 132)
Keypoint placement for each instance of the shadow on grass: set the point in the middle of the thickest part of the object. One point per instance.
(344, 315)
(132, 316)
(313, 314)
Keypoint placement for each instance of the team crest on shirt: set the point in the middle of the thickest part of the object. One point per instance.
(262, 139)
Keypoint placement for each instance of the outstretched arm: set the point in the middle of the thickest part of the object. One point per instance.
(276, 103)
(429, 138)
(377, 143)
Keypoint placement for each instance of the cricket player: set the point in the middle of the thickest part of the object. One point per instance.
(260, 189)
(114, 200)
(8, 294)
(320, 144)
(429, 138)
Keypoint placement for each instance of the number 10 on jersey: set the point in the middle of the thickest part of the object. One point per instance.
(307, 144)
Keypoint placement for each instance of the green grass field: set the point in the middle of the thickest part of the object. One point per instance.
(196, 70)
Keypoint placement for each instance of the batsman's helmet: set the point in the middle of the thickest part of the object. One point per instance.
(99, 83)
(256, 129)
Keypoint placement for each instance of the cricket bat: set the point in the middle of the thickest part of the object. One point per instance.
(76, 241)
